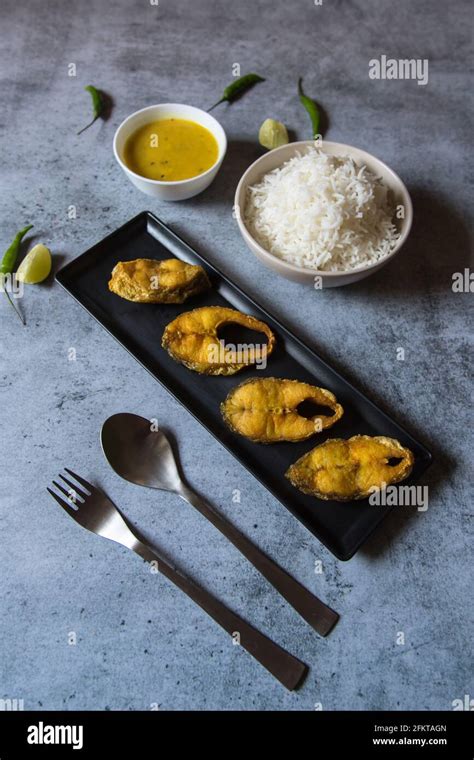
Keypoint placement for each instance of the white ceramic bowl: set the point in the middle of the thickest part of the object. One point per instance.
(181, 189)
(276, 158)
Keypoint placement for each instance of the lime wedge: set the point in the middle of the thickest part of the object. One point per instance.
(36, 265)
(272, 134)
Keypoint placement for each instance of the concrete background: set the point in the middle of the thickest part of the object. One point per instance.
(139, 641)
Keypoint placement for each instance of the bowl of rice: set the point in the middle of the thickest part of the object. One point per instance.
(325, 215)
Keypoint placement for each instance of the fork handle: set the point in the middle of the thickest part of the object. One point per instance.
(319, 616)
(284, 666)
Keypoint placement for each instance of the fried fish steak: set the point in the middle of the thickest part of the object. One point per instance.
(152, 281)
(342, 470)
(266, 410)
(192, 339)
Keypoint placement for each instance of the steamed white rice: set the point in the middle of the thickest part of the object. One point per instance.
(322, 212)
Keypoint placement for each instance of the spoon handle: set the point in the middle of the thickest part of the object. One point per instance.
(319, 616)
(280, 663)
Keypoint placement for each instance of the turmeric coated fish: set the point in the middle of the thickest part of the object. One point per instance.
(152, 281)
(192, 339)
(266, 410)
(342, 470)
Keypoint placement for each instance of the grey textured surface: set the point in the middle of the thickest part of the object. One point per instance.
(140, 642)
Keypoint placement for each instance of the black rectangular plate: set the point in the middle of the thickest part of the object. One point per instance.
(341, 526)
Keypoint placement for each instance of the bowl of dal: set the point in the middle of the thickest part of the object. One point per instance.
(170, 151)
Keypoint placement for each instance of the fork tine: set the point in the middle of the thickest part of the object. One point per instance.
(65, 505)
(84, 483)
(74, 487)
(67, 494)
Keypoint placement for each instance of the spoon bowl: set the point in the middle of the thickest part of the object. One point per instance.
(139, 452)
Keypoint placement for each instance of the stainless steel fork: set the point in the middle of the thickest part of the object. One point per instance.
(92, 509)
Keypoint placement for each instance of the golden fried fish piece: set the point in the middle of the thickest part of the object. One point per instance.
(342, 470)
(266, 409)
(192, 339)
(152, 281)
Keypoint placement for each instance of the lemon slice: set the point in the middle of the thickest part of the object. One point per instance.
(272, 134)
(36, 265)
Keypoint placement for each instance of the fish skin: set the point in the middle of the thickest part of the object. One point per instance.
(192, 338)
(264, 410)
(343, 470)
(153, 281)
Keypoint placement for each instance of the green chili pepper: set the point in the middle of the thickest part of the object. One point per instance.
(8, 263)
(97, 105)
(238, 87)
(311, 108)
(11, 254)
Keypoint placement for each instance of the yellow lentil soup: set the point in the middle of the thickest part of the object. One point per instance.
(171, 149)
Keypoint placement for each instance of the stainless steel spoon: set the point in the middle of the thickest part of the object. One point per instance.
(141, 454)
